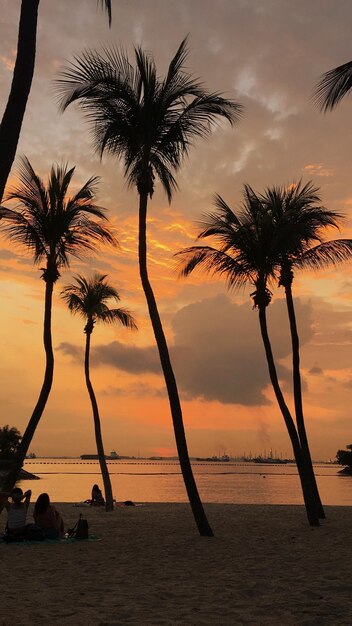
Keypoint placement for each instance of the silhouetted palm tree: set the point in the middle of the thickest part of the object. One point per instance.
(150, 123)
(299, 220)
(11, 123)
(52, 226)
(89, 298)
(252, 251)
(333, 86)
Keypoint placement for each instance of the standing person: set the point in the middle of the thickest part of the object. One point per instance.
(48, 518)
(16, 513)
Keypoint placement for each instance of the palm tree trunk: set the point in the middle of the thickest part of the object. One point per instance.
(174, 400)
(297, 390)
(109, 503)
(306, 486)
(10, 126)
(16, 465)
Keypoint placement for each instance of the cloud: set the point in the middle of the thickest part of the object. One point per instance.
(217, 351)
(141, 390)
(315, 371)
(6, 255)
(225, 356)
(128, 358)
(69, 349)
(318, 169)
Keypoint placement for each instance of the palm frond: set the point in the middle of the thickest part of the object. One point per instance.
(213, 262)
(106, 5)
(327, 253)
(178, 61)
(123, 316)
(333, 86)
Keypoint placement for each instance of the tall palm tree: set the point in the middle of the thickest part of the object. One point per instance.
(333, 86)
(299, 220)
(89, 298)
(11, 123)
(53, 227)
(150, 123)
(251, 251)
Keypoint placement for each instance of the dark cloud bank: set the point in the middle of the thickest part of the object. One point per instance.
(217, 350)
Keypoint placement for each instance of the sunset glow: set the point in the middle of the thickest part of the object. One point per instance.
(213, 334)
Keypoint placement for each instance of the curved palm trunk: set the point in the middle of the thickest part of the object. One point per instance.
(11, 123)
(309, 500)
(109, 503)
(297, 390)
(16, 465)
(174, 401)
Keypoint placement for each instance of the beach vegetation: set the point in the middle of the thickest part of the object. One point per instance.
(10, 438)
(299, 220)
(150, 123)
(89, 298)
(344, 457)
(52, 226)
(258, 245)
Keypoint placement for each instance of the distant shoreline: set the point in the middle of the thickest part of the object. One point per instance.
(24, 475)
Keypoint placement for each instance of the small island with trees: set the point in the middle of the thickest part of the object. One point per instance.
(10, 439)
(344, 457)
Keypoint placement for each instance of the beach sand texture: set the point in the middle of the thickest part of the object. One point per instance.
(265, 566)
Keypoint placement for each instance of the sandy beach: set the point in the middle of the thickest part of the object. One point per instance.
(150, 567)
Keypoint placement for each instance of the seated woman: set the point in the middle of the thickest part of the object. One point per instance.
(48, 518)
(97, 497)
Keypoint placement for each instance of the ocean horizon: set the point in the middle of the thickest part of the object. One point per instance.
(147, 480)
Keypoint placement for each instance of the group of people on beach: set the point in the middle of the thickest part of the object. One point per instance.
(48, 523)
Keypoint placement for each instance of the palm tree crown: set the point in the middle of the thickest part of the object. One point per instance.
(52, 225)
(89, 299)
(245, 241)
(298, 221)
(148, 121)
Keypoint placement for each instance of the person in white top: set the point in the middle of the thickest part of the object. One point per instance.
(16, 511)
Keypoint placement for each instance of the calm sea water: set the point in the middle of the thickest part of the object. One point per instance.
(71, 480)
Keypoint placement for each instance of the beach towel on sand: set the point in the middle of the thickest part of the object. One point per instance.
(62, 541)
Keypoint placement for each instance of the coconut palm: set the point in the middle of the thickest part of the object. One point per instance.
(333, 86)
(53, 227)
(11, 123)
(299, 221)
(89, 299)
(150, 124)
(251, 252)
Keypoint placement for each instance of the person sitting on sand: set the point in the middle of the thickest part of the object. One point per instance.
(97, 497)
(16, 512)
(48, 518)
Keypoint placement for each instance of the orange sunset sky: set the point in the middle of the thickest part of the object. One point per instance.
(268, 55)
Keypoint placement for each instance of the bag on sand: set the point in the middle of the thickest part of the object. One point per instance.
(80, 529)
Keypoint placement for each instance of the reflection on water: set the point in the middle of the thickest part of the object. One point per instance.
(69, 480)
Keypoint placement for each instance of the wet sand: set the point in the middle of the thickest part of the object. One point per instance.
(151, 567)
